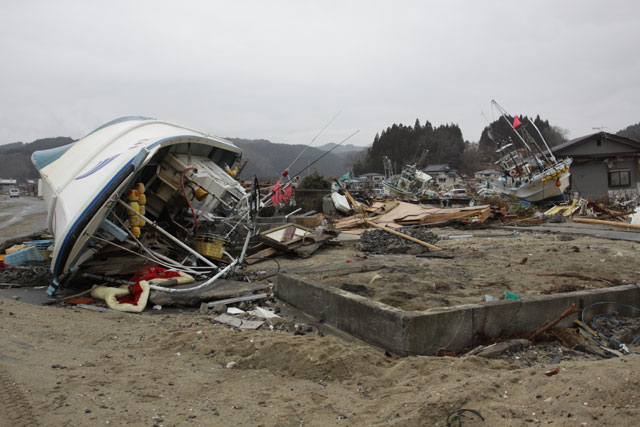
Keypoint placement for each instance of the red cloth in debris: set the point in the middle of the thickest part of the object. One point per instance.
(147, 273)
(276, 196)
(281, 193)
(134, 295)
(288, 193)
(150, 273)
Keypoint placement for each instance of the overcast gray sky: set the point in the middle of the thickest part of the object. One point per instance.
(280, 70)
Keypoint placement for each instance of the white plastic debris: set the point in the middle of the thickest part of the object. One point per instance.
(263, 313)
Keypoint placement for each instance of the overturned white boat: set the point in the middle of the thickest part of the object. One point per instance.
(121, 187)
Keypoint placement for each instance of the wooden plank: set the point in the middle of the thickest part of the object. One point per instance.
(288, 233)
(397, 233)
(261, 255)
(604, 222)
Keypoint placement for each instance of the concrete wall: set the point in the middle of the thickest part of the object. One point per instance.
(310, 200)
(454, 328)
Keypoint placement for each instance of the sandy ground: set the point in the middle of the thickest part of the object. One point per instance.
(527, 264)
(63, 366)
(74, 367)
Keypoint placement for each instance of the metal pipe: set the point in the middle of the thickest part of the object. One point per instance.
(202, 285)
(169, 235)
(291, 213)
(244, 249)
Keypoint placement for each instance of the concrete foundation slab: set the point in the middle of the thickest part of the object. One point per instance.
(451, 328)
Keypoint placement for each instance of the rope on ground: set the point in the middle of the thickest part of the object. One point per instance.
(456, 416)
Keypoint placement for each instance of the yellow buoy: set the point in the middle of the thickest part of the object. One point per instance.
(201, 194)
(135, 206)
(135, 231)
(134, 221)
(132, 195)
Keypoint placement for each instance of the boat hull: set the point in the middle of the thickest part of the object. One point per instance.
(546, 185)
(536, 190)
(392, 191)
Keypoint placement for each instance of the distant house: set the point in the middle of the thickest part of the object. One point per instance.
(443, 175)
(7, 184)
(373, 181)
(604, 164)
(487, 175)
(375, 178)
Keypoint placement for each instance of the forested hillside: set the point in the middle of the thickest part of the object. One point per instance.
(422, 145)
(268, 160)
(415, 144)
(632, 132)
(15, 158)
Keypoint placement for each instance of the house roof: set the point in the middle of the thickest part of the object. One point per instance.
(577, 142)
(489, 172)
(440, 167)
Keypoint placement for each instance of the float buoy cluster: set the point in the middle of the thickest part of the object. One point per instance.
(555, 175)
(136, 200)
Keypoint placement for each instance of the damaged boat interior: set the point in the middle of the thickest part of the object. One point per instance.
(184, 191)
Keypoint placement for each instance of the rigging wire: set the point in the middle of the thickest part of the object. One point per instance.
(313, 140)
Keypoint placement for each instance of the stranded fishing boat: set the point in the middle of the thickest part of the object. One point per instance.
(143, 186)
(530, 170)
(409, 183)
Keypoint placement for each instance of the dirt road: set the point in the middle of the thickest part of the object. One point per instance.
(21, 216)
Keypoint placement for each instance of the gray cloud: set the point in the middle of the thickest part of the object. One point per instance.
(280, 70)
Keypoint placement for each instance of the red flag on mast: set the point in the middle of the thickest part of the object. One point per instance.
(516, 122)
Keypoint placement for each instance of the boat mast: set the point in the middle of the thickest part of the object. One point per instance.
(504, 116)
(541, 164)
(553, 158)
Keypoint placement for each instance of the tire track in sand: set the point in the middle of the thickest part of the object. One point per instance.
(15, 410)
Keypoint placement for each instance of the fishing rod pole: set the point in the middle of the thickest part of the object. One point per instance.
(312, 141)
(327, 152)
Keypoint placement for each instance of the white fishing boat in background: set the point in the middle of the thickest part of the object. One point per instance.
(410, 182)
(99, 189)
(530, 170)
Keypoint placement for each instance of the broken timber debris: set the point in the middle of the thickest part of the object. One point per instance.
(605, 222)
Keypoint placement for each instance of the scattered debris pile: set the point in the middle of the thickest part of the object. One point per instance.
(25, 276)
(607, 335)
(381, 242)
(24, 261)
